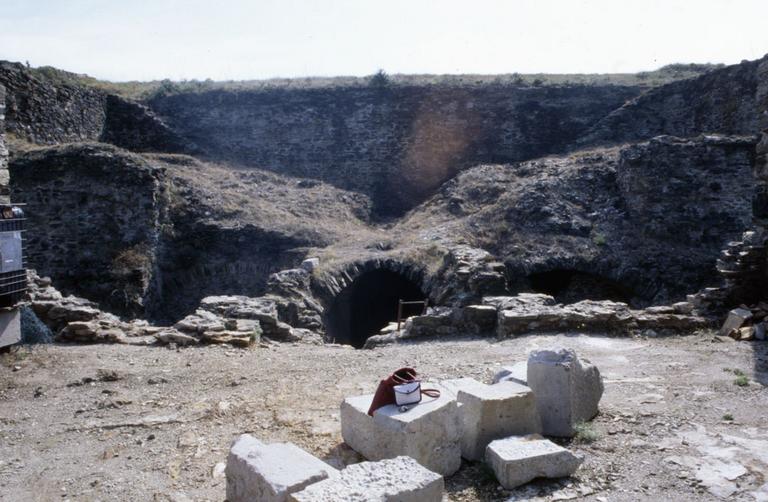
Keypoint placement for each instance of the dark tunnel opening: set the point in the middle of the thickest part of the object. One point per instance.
(369, 304)
(571, 286)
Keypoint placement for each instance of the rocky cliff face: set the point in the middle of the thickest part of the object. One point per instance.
(721, 101)
(395, 144)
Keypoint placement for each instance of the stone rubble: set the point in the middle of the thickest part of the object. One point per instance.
(271, 472)
(746, 323)
(519, 459)
(399, 479)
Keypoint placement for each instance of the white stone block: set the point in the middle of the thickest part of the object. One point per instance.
(489, 412)
(567, 391)
(736, 319)
(518, 460)
(428, 432)
(517, 372)
(269, 472)
(400, 479)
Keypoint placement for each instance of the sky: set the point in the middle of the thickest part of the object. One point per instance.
(256, 39)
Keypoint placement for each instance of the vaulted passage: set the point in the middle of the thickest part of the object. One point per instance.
(368, 304)
(570, 286)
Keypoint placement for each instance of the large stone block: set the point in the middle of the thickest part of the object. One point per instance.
(428, 432)
(400, 479)
(489, 412)
(735, 320)
(518, 460)
(270, 472)
(567, 390)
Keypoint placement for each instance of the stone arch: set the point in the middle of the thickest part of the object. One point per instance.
(362, 298)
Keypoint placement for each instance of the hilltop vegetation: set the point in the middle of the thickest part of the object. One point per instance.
(147, 90)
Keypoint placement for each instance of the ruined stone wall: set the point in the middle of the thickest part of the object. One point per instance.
(43, 113)
(722, 101)
(394, 143)
(96, 212)
(4, 178)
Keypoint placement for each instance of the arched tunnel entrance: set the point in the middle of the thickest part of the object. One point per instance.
(369, 304)
(571, 286)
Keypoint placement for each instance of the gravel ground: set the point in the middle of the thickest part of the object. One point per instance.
(112, 422)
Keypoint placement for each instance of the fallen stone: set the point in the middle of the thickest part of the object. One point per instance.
(567, 391)
(760, 331)
(429, 432)
(173, 336)
(270, 472)
(518, 460)
(489, 412)
(735, 320)
(399, 479)
(518, 373)
(235, 338)
(310, 264)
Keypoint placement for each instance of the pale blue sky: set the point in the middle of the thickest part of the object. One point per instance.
(250, 39)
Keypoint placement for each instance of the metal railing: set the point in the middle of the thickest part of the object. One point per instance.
(400, 309)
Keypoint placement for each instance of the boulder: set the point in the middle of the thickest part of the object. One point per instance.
(489, 412)
(518, 460)
(399, 479)
(270, 472)
(429, 432)
(567, 391)
(310, 264)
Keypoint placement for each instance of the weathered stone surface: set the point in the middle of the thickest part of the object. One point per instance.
(567, 390)
(310, 264)
(517, 373)
(489, 412)
(428, 432)
(400, 479)
(270, 472)
(479, 318)
(736, 319)
(518, 460)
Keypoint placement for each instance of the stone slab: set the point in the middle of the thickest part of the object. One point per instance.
(736, 319)
(489, 412)
(270, 472)
(520, 459)
(400, 479)
(429, 432)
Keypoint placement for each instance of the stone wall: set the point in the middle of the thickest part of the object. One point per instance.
(46, 113)
(722, 101)
(95, 216)
(4, 178)
(394, 143)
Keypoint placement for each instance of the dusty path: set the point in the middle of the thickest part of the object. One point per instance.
(159, 430)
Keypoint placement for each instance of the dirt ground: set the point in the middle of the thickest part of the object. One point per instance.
(112, 422)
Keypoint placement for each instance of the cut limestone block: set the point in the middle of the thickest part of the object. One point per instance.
(517, 373)
(736, 319)
(518, 460)
(428, 432)
(489, 412)
(567, 391)
(269, 472)
(399, 479)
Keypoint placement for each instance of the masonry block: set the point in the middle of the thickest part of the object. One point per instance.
(567, 390)
(270, 472)
(489, 412)
(428, 432)
(399, 479)
(520, 459)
